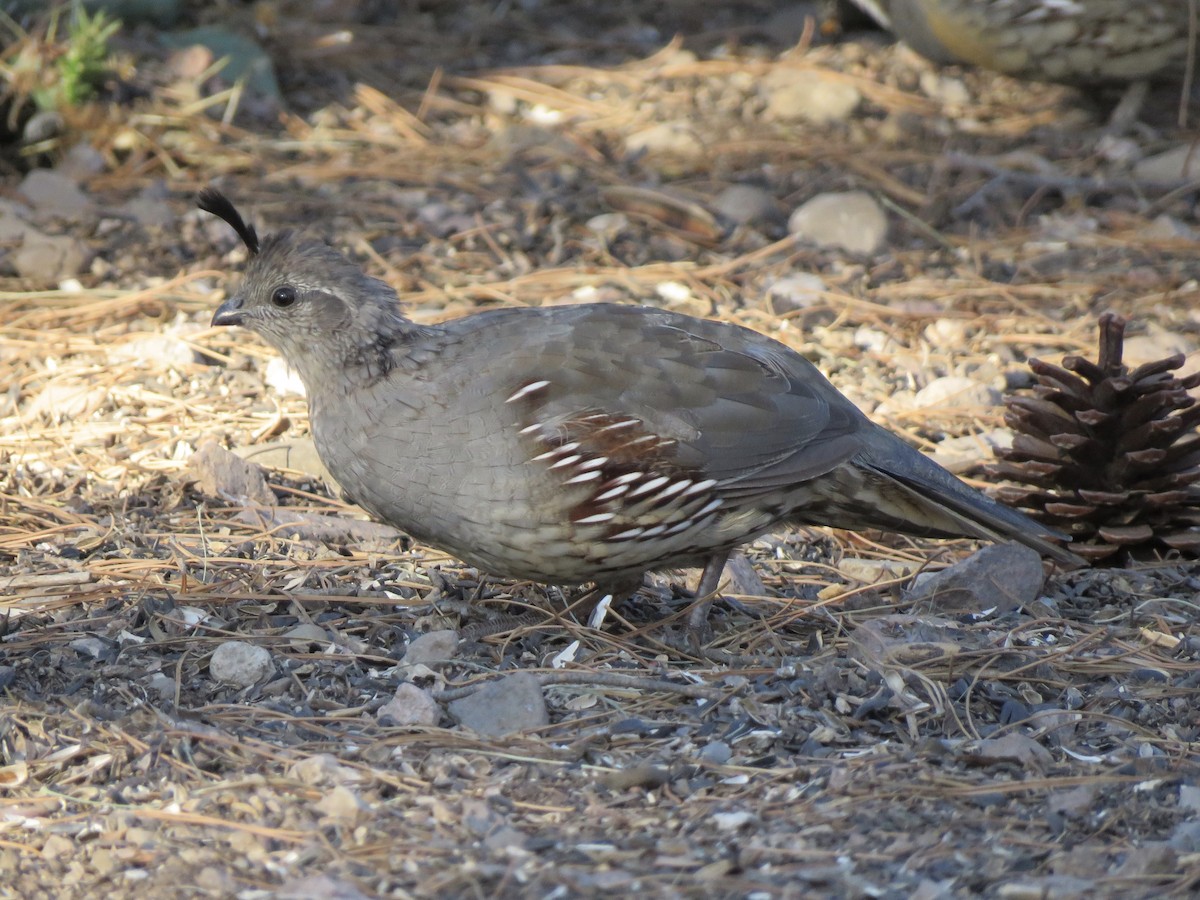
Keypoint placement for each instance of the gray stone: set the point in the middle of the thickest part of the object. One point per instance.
(1177, 164)
(666, 138)
(54, 193)
(42, 126)
(852, 221)
(48, 257)
(297, 454)
(507, 706)
(795, 292)
(150, 207)
(410, 706)
(745, 204)
(1001, 577)
(155, 348)
(807, 95)
(81, 162)
(239, 664)
(434, 647)
(956, 391)
(307, 636)
(718, 753)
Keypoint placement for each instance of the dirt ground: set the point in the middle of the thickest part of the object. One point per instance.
(834, 739)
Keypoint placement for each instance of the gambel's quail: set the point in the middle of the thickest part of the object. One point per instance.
(1070, 41)
(589, 443)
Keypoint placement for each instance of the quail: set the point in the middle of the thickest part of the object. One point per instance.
(1069, 41)
(583, 444)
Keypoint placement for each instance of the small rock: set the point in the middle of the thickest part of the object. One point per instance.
(506, 706)
(220, 473)
(64, 398)
(54, 193)
(945, 90)
(852, 221)
(718, 753)
(341, 806)
(42, 126)
(1019, 748)
(792, 293)
(49, 258)
(163, 685)
(732, 821)
(410, 706)
(746, 204)
(798, 94)
(1168, 228)
(89, 646)
(956, 391)
(8, 674)
(1177, 164)
(1001, 577)
(12, 221)
(326, 887)
(675, 139)
(239, 664)
(1155, 344)
(608, 225)
(150, 207)
(872, 571)
(958, 454)
(323, 769)
(307, 636)
(297, 454)
(434, 647)
(81, 162)
(190, 63)
(155, 348)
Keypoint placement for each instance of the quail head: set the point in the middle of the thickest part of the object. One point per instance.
(1070, 41)
(583, 444)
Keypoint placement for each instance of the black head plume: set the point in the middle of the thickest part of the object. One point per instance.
(213, 201)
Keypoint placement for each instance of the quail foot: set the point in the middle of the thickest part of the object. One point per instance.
(583, 444)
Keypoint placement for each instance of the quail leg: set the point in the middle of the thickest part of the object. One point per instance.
(706, 591)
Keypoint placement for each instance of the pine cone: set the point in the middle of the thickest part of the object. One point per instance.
(1108, 455)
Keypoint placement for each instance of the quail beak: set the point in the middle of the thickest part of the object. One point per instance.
(229, 312)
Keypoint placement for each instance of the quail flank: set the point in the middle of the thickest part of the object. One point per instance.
(584, 444)
(1071, 41)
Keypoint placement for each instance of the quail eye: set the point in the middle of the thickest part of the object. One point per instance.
(283, 296)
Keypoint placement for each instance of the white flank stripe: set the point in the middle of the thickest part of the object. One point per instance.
(700, 486)
(625, 535)
(567, 461)
(594, 463)
(596, 519)
(652, 484)
(672, 489)
(624, 423)
(708, 507)
(527, 390)
(586, 476)
(614, 492)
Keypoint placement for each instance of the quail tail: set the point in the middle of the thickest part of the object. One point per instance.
(910, 487)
